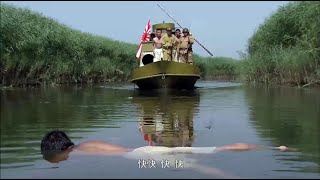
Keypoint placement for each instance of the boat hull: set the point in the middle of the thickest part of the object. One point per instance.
(165, 74)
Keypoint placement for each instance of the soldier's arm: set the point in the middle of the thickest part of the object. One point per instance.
(177, 43)
(191, 39)
(165, 42)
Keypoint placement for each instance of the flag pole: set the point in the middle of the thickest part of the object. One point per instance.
(144, 38)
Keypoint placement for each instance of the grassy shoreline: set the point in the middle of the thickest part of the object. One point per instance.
(286, 47)
(39, 51)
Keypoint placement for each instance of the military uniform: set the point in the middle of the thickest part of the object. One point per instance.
(185, 48)
(168, 45)
(175, 50)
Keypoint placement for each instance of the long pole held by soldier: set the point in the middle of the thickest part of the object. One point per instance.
(182, 27)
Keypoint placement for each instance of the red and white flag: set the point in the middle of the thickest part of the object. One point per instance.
(144, 38)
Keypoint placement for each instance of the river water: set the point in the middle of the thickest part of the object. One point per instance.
(215, 114)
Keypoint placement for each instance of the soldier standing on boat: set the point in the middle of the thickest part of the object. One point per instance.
(157, 52)
(185, 47)
(169, 42)
(176, 50)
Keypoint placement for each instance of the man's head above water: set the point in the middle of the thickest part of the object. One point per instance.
(55, 146)
(55, 141)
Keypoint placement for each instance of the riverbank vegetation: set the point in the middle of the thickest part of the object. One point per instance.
(285, 49)
(38, 50)
(218, 68)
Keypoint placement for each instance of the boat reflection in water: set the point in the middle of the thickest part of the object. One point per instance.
(166, 117)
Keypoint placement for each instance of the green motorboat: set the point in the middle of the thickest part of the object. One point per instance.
(163, 74)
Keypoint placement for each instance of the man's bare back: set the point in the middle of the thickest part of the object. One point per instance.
(56, 147)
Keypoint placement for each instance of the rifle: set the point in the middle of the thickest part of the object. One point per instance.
(182, 27)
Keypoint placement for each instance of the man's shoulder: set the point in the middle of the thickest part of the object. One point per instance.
(174, 37)
(165, 36)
